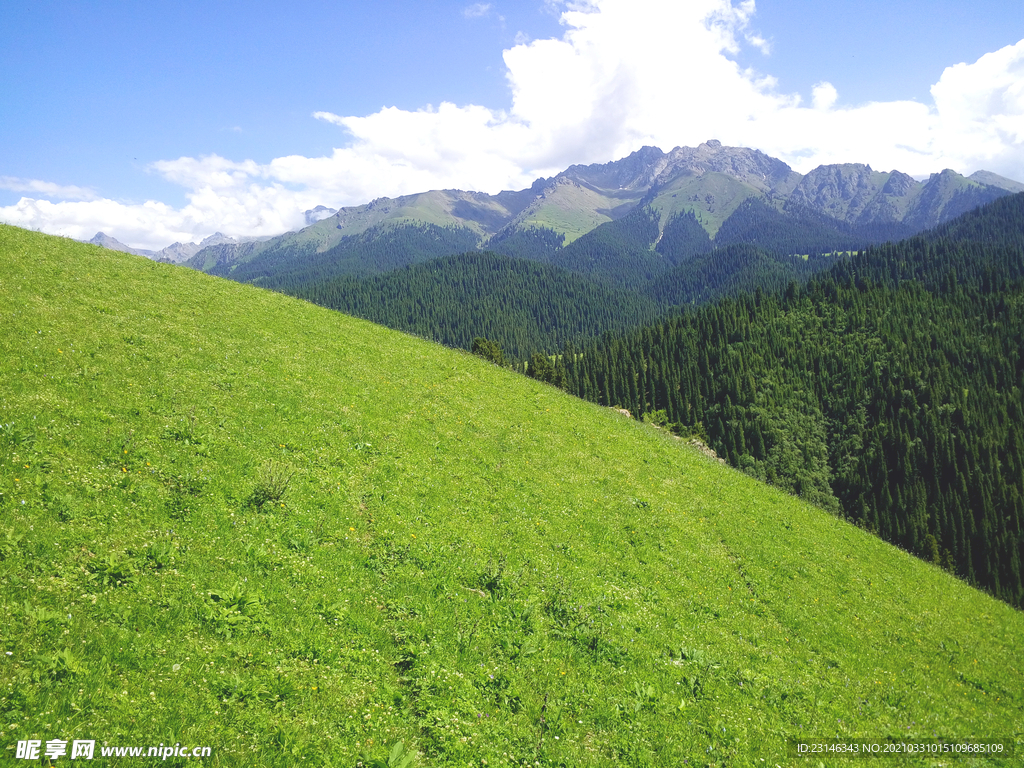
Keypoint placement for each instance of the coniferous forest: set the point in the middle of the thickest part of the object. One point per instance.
(613, 278)
(521, 305)
(888, 389)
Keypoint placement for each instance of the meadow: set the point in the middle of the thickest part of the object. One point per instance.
(233, 519)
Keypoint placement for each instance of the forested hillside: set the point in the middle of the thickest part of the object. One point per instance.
(521, 305)
(889, 389)
(732, 270)
(379, 249)
(616, 277)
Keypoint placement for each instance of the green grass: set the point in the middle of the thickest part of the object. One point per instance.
(573, 210)
(232, 519)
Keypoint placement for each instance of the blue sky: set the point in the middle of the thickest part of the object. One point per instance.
(157, 122)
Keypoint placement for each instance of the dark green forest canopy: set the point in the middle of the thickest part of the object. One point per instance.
(888, 389)
(381, 248)
(520, 305)
(614, 278)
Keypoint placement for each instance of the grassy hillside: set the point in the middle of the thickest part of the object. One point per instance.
(712, 197)
(572, 209)
(232, 519)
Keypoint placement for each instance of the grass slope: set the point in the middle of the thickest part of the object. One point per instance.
(573, 209)
(713, 197)
(462, 560)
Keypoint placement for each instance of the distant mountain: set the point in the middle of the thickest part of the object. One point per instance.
(558, 220)
(177, 253)
(318, 213)
(106, 241)
(995, 180)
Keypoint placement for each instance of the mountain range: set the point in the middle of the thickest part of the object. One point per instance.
(710, 182)
(176, 253)
(735, 194)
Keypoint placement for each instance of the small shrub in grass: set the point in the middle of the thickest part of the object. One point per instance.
(10, 543)
(112, 569)
(58, 665)
(42, 617)
(185, 430)
(494, 580)
(14, 436)
(399, 757)
(233, 609)
(58, 504)
(158, 555)
(271, 484)
(657, 418)
(185, 489)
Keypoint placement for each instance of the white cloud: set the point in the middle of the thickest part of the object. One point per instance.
(223, 196)
(764, 46)
(477, 10)
(824, 96)
(48, 188)
(981, 106)
(625, 73)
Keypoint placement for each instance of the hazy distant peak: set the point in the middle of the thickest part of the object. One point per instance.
(217, 238)
(106, 241)
(899, 184)
(995, 180)
(319, 213)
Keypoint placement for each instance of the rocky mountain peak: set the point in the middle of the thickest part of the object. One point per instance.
(995, 180)
(899, 184)
(217, 238)
(106, 241)
(748, 165)
(636, 171)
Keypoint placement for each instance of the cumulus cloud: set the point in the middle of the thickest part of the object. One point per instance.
(824, 96)
(255, 210)
(981, 106)
(625, 73)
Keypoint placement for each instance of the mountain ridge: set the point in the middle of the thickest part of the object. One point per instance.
(709, 181)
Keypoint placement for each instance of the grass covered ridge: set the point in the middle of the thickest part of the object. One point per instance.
(233, 519)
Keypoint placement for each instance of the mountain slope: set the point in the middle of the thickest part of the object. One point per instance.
(480, 215)
(238, 520)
